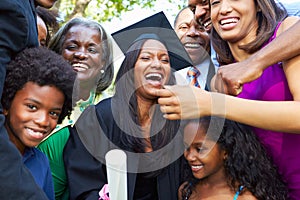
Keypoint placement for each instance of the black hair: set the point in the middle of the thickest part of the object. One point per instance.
(247, 163)
(43, 67)
(178, 15)
(126, 98)
(50, 18)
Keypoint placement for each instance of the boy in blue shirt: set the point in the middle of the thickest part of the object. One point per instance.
(37, 95)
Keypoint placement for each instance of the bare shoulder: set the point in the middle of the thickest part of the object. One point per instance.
(287, 23)
(193, 196)
(247, 196)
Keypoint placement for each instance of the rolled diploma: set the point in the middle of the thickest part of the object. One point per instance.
(116, 174)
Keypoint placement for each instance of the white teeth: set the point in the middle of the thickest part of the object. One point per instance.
(36, 133)
(197, 166)
(80, 65)
(206, 24)
(154, 76)
(228, 21)
(192, 45)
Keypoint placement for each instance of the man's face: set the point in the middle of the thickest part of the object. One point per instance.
(45, 3)
(193, 36)
(42, 31)
(200, 8)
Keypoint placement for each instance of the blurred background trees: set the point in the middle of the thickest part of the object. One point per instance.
(103, 10)
(107, 11)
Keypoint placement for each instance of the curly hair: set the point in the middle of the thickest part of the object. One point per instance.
(57, 41)
(43, 67)
(247, 163)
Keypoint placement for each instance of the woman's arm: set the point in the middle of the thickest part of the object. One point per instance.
(277, 116)
(286, 46)
(185, 102)
(190, 102)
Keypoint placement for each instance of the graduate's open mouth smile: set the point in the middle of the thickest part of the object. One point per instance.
(154, 78)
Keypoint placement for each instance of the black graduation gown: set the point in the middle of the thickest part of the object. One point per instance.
(86, 174)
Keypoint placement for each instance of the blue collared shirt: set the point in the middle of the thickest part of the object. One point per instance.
(292, 7)
(38, 165)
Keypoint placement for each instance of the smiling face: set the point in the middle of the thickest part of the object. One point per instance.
(33, 114)
(152, 68)
(82, 48)
(194, 38)
(204, 156)
(235, 21)
(201, 10)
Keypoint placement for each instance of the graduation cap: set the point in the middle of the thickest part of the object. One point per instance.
(156, 27)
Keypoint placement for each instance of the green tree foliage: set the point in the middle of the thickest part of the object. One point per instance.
(101, 10)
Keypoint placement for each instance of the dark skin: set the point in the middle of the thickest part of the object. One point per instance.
(230, 78)
(200, 8)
